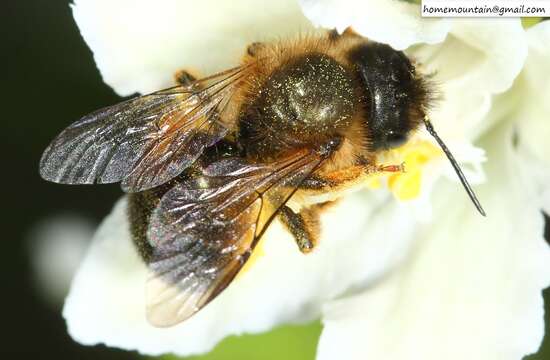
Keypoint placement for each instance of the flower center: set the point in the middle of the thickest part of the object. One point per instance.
(406, 185)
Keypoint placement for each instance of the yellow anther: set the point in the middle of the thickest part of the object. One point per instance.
(406, 185)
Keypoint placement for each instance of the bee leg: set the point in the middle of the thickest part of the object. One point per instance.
(352, 175)
(254, 48)
(334, 179)
(304, 226)
(316, 182)
(184, 77)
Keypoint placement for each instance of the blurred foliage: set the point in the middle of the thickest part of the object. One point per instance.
(527, 22)
(49, 79)
(544, 351)
(286, 342)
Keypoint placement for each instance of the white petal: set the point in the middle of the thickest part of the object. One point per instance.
(472, 290)
(397, 23)
(532, 96)
(526, 105)
(138, 45)
(106, 302)
(477, 60)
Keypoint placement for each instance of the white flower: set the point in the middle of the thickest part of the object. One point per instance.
(138, 45)
(393, 22)
(484, 302)
(460, 286)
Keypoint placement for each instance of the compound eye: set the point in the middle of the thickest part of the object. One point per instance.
(394, 140)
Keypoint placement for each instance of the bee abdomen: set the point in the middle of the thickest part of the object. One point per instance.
(142, 204)
(303, 102)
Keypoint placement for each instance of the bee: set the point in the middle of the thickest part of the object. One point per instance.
(210, 163)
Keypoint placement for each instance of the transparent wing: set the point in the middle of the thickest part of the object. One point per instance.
(145, 141)
(203, 231)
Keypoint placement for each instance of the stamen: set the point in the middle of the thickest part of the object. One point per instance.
(407, 183)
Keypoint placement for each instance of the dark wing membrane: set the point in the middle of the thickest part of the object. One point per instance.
(145, 141)
(204, 230)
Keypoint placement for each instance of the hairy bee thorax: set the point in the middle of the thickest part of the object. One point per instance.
(305, 102)
(303, 93)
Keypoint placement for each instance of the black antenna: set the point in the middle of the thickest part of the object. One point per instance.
(451, 158)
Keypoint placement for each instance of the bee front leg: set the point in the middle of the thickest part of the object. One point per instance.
(304, 226)
(342, 178)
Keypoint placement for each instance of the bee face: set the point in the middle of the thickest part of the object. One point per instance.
(210, 163)
(396, 96)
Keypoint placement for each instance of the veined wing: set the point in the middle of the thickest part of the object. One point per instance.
(204, 230)
(145, 141)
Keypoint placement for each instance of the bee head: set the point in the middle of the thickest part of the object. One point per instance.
(394, 93)
(396, 97)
